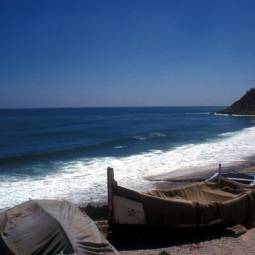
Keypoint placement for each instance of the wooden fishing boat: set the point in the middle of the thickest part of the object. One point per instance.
(199, 204)
(243, 178)
(235, 180)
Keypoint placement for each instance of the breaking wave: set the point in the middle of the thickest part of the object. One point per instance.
(81, 181)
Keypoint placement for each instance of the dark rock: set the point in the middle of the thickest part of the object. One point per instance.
(244, 106)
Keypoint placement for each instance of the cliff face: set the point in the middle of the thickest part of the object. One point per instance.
(245, 105)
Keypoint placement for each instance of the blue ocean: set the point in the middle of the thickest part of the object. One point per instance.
(64, 153)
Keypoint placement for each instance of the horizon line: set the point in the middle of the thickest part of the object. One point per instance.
(82, 107)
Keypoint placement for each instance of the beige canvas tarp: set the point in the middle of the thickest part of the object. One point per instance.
(199, 204)
(41, 227)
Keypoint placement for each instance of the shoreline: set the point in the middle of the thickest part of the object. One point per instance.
(204, 172)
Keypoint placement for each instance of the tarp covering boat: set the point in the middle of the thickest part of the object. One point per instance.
(199, 204)
(194, 205)
(48, 227)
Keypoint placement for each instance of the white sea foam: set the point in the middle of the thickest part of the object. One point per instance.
(85, 180)
(234, 115)
(226, 134)
(119, 147)
(137, 137)
(157, 134)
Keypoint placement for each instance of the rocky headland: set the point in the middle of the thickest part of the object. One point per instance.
(244, 106)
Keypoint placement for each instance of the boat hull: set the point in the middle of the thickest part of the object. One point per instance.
(199, 204)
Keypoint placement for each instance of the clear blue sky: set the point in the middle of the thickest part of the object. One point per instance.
(125, 53)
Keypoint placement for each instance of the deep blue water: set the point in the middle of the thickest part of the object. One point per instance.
(64, 153)
(30, 137)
